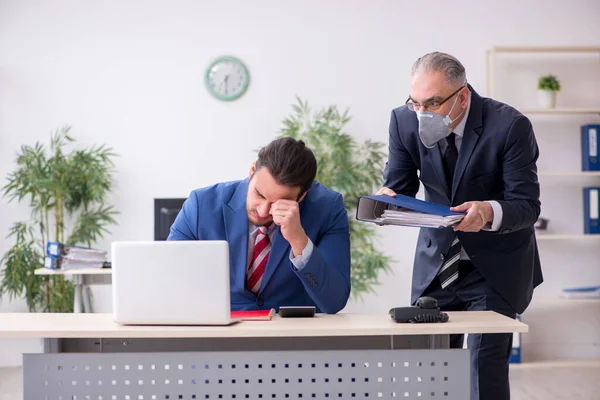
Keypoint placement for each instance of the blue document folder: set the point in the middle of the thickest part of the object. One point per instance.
(590, 148)
(382, 210)
(591, 210)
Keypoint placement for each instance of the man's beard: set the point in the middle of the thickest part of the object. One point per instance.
(254, 221)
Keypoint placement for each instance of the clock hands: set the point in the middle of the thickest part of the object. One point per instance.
(226, 81)
(226, 78)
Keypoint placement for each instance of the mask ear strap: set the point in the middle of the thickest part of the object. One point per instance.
(447, 120)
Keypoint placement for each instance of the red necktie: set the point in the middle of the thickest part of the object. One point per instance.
(256, 269)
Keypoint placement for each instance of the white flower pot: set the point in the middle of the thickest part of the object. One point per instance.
(547, 98)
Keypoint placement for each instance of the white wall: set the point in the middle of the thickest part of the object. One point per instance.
(130, 74)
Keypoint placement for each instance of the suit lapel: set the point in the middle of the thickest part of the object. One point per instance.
(236, 231)
(470, 138)
(466, 149)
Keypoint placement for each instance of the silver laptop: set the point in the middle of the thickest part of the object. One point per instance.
(171, 283)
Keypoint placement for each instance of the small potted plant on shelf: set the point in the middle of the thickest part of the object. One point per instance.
(547, 87)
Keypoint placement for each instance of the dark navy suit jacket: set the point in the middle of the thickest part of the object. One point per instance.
(218, 212)
(497, 161)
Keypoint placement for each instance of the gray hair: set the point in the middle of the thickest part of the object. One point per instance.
(453, 70)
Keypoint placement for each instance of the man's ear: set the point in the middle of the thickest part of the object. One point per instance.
(465, 97)
(252, 169)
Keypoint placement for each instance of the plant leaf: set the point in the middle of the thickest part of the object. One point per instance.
(351, 169)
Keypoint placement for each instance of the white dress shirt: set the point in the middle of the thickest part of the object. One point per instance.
(298, 261)
(459, 132)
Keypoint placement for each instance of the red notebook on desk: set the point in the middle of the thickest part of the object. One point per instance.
(254, 315)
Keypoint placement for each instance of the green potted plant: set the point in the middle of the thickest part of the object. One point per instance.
(351, 169)
(63, 187)
(548, 85)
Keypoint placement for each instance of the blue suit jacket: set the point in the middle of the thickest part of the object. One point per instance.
(497, 161)
(218, 212)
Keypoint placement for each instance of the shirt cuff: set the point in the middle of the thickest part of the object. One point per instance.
(497, 221)
(301, 259)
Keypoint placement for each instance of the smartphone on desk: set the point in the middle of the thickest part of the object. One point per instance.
(297, 311)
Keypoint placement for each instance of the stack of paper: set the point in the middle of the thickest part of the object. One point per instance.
(63, 256)
(405, 211)
(418, 219)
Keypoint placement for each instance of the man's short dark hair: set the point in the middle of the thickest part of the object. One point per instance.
(290, 162)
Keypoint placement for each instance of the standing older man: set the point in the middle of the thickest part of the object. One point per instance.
(479, 156)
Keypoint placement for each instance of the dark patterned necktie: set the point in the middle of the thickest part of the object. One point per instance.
(448, 273)
(450, 158)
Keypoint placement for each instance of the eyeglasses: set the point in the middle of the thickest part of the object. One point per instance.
(430, 105)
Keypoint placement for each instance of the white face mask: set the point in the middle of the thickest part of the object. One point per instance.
(433, 127)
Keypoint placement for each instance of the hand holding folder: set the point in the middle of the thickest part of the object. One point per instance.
(405, 211)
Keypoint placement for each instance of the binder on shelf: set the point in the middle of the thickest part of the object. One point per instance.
(590, 148)
(591, 210)
(405, 211)
(515, 352)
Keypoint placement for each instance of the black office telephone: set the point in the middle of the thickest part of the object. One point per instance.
(424, 310)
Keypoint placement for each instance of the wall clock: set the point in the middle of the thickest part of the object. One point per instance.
(227, 78)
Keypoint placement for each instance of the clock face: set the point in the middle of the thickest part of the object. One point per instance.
(227, 78)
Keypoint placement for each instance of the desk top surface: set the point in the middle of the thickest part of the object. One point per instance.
(78, 271)
(101, 325)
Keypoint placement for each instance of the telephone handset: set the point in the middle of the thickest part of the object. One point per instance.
(424, 310)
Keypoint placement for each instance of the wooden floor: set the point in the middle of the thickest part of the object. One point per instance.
(10, 384)
(578, 380)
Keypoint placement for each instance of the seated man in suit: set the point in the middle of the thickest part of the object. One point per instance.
(288, 235)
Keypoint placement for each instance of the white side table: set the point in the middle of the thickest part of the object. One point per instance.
(81, 279)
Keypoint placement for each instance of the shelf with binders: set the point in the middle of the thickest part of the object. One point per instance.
(523, 66)
(567, 166)
(590, 211)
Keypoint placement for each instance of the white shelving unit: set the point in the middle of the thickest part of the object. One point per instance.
(560, 300)
(561, 111)
(562, 248)
(491, 56)
(545, 49)
(558, 236)
(570, 173)
(492, 53)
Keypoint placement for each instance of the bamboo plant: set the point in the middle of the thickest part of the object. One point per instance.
(64, 187)
(351, 169)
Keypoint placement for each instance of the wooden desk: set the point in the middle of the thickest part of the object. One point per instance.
(101, 325)
(82, 278)
(335, 356)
